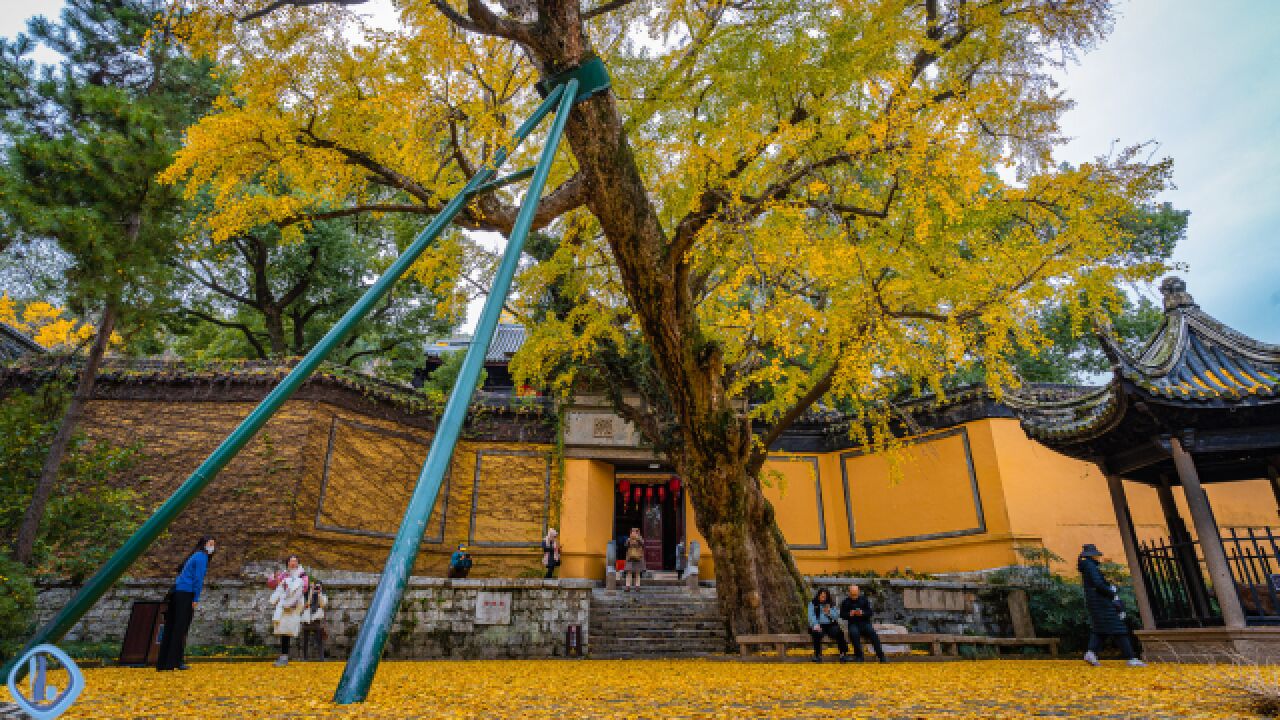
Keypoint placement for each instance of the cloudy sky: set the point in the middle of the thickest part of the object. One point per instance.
(1197, 79)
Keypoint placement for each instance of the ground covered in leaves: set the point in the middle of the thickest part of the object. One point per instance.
(563, 689)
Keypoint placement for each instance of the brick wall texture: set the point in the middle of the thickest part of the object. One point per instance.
(328, 483)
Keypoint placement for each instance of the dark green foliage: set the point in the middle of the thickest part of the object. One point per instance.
(87, 517)
(258, 295)
(17, 606)
(1074, 354)
(441, 382)
(1057, 602)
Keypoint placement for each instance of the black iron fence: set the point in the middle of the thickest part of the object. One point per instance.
(1254, 557)
(1181, 593)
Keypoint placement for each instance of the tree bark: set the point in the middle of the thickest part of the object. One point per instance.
(759, 587)
(24, 546)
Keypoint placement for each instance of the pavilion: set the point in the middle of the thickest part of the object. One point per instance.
(1199, 404)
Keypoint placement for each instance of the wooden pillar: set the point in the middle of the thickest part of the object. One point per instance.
(1215, 556)
(1130, 541)
(1183, 550)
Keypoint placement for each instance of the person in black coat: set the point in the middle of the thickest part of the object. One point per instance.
(855, 610)
(1106, 611)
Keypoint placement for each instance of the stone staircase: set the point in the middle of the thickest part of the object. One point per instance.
(661, 619)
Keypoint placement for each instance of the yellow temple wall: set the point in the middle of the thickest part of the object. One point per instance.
(331, 484)
(925, 517)
(586, 517)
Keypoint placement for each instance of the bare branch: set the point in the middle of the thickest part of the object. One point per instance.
(278, 4)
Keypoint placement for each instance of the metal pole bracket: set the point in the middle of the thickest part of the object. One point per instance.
(592, 77)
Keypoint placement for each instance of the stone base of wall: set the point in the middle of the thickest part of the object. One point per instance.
(1212, 645)
(436, 618)
(929, 606)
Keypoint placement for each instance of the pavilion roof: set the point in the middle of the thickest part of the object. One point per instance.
(1194, 374)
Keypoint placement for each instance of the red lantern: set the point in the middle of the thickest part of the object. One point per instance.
(662, 494)
(648, 494)
(636, 495)
(674, 484)
(624, 486)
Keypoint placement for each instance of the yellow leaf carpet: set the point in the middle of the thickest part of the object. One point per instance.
(670, 689)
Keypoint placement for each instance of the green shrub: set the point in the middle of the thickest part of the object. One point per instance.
(87, 517)
(17, 606)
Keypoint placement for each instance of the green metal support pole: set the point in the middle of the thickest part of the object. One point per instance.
(138, 543)
(367, 651)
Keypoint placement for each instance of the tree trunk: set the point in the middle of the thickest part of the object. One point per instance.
(24, 546)
(274, 321)
(759, 587)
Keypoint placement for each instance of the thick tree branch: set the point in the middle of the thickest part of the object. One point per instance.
(304, 282)
(213, 285)
(360, 210)
(821, 387)
(248, 332)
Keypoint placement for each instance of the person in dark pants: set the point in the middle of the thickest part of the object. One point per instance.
(183, 600)
(1106, 611)
(823, 621)
(856, 611)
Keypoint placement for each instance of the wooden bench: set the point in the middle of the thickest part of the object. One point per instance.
(939, 644)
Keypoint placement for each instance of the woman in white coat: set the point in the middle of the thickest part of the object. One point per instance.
(289, 602)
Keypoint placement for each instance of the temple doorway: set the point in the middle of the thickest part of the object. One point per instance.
(652, 501)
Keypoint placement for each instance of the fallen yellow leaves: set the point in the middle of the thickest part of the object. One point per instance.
(563, 689)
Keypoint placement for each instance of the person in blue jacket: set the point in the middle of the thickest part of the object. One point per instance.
(825, 620)
(460, 562)
(183, 601)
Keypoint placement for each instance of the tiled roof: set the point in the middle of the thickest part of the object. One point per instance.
(14, 343)
(507, 339)
(1193, 361)
(1196, 358)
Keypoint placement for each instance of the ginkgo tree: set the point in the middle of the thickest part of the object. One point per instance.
(777, 204)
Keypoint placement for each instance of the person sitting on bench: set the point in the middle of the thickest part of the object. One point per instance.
(856, 611)
(823, 620)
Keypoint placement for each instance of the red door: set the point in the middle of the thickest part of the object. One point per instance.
(653, 536)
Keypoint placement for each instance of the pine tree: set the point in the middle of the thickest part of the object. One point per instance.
(83, 142)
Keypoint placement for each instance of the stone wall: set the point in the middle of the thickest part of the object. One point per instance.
(930, 606)
(436, 619)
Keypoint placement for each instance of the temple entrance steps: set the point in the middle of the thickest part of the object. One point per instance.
(660, 619)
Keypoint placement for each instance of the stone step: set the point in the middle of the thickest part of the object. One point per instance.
(657, 624)
(661, 633)
(652, 612)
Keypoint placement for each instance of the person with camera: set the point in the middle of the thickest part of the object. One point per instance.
(460, 562)
(289, 600)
